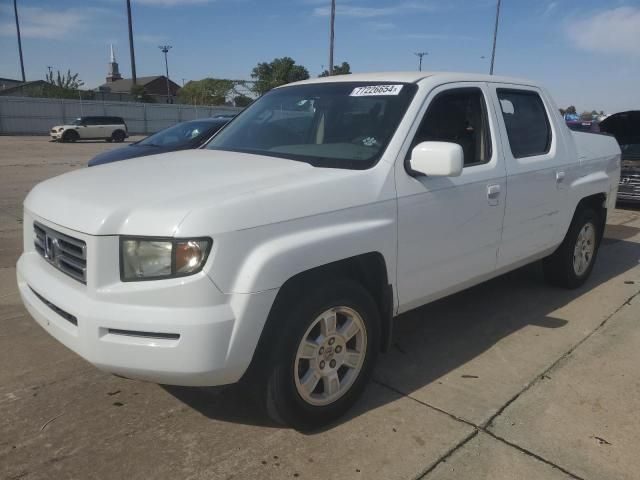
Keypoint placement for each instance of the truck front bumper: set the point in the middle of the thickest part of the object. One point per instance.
(144, 337)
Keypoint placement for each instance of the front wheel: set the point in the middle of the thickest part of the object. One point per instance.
(571, 264)
(323, 354)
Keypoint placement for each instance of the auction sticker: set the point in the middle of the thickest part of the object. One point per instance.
(375, 90)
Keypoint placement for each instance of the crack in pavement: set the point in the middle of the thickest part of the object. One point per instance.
(484, 426)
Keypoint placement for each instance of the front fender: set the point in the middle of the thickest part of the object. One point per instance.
(264, 258)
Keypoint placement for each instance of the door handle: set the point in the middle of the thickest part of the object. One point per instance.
(560, 176)
(493, 193)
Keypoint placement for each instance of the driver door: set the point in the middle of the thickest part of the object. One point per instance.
(449, 228)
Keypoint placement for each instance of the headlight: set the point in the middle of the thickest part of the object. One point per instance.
(155, 259)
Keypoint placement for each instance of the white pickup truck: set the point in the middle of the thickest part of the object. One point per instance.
(280, 253)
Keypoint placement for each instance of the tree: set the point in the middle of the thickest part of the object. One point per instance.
(66, 81)
(278, 72)
(571, 110)
(242, 100)
(208, 91)
(585, 115)
(139, 93)
(343, 69)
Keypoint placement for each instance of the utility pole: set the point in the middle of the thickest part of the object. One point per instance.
(495, 38)
(132, 55)
(165, 49)
(15, 10)
(420, 55)
(331, 35)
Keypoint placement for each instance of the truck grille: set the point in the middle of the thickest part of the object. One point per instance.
(67, 254)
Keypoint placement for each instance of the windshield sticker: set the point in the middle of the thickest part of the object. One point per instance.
(375, 90)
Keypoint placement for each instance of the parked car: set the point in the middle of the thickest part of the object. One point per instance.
(625, 126)
(281, 252)
(183, 136)
(592, 126)
(111, 129)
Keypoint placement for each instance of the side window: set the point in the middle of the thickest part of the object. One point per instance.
(526, 120)
(459, 116)
(88, 121)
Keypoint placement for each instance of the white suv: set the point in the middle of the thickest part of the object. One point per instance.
(280, 253)
(111, 129)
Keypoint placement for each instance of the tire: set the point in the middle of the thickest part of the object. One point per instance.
(571, 264)
(70, 136)
(118, 136)
(335, 361)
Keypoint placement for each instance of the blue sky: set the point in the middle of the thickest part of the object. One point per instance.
(587, 52)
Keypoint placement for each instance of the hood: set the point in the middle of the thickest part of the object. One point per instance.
(124, 153)
(153, 195)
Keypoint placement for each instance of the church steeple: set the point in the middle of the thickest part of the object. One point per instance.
(114, 73)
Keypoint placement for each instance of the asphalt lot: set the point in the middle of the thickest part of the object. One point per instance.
(511, 379)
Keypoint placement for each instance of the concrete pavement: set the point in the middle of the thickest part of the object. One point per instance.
(510, 379)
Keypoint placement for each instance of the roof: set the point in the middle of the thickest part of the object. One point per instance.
(124, 85)
(414, 77)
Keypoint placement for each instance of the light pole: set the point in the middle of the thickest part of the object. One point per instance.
(15, 10)
(131, 52)
(331, 35)
(495, 38)
(420, 55)
(165, 49)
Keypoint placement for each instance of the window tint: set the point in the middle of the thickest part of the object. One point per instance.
(526, 121)
(89, 121)
(459, 116)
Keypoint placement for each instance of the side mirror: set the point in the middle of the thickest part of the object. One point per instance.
(437, 159)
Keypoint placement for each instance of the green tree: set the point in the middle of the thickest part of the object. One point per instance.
(343, 69)
(278, 72)
(208, 91)
(139, 93)
(242, 100)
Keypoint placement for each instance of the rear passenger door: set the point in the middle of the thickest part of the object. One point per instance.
(534, 174)
(449, 227)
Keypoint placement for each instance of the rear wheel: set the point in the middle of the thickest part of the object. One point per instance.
(70, 136)
(571, 264)
(118, 136)
(323, 355)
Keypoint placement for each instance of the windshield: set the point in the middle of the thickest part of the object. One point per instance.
(339, 125)
(181, 135)
(77, 121)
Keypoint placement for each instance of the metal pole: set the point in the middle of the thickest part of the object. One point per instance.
(15, 9)
(132, 54)
(495, 38)
(420, 55)
(165, 50)
(331, 35)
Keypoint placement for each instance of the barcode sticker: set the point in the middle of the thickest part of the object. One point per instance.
(375, 90)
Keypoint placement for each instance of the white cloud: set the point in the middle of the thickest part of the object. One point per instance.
(171, 3)
(372, 12)
(38, 22)
(550, 8)
(610, 31)
(381, 26)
